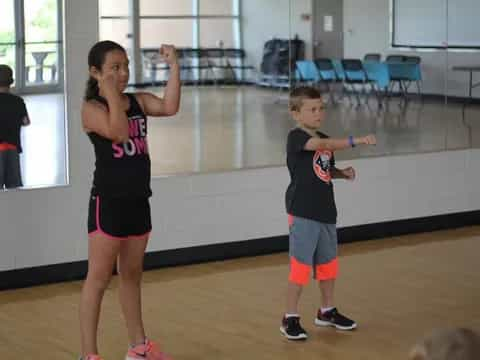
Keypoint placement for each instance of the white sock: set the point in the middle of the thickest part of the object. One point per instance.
(324, 310)
(144, 342)
(287, 315)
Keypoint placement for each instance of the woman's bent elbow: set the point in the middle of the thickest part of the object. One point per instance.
(119, 138)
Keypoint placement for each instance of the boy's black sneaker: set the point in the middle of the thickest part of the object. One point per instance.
(292, 329)
(334, 318)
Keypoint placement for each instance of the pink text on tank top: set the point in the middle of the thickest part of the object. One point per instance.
(137, 143)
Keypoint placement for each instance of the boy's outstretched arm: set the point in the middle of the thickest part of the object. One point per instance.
(314, 143)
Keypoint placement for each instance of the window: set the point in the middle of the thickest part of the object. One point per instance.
(435, 24)
(217, 33)
(155, 32)
(113, 7)
(166, 8)
(215, 7)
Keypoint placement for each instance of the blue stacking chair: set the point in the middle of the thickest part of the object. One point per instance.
(355, 74)
(307, 72)
(378, 73)
(414, 73)
(403, 71)
(337, 64)
(328, 74)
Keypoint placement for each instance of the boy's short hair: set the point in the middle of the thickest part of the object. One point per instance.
(6, 75)
(448, 344)
(301, 93)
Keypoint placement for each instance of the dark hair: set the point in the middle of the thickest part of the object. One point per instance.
(96, 58)
(6, 75)
(297, 95)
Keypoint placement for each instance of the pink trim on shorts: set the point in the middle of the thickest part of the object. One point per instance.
(103, 233)
(290, 220)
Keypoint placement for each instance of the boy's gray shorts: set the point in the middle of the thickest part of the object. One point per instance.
(312, 242)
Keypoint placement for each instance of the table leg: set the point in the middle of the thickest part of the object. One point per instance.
(471, 87)
(469, 100)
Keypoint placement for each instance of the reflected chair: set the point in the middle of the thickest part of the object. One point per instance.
(236, 63)
(152, 63)
(328, 74)
(403, 71)
(372, 57)
(355, 75)
(306, 72)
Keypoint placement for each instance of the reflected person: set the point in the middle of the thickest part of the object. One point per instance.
(13, 115)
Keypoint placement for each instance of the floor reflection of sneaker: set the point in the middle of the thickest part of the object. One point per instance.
(147, 351)
(91, 357)
(334, 318)
(292, 329)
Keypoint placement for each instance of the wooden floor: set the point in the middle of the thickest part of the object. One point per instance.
(397, 289)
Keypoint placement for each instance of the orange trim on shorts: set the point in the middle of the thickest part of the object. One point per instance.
(328, 271)
(6, 146)
(299, 272)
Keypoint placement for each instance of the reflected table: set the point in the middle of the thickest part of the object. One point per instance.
(470, 69)
(39, 57)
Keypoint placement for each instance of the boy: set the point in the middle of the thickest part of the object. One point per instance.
(13, 115)
(312, 212)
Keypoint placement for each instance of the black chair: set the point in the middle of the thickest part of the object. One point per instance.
(188, 60)
(372, 57)
(395, 58)
(186, 69)
(236, 63)
(215, 61)
(412, 59)
(152, 63)
(355, 74)
(279, 60)
(197, 63)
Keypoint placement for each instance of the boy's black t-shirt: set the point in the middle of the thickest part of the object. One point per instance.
(310, 193)
(12, 113)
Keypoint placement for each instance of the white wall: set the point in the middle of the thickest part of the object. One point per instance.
(48, 226)
(367, 29)
(265, 19)
(242, 205)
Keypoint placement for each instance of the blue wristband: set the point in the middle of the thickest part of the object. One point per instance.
(350, 141)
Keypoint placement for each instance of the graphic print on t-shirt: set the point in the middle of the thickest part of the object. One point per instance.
(137, 143)
(321, 164)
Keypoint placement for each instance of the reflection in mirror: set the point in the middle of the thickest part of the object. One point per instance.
(388, 67)
(32, 121)
(239, 60)
(463, 72)
(234, 72)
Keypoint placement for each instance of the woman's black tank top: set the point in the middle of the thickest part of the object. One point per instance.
(123, 169)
